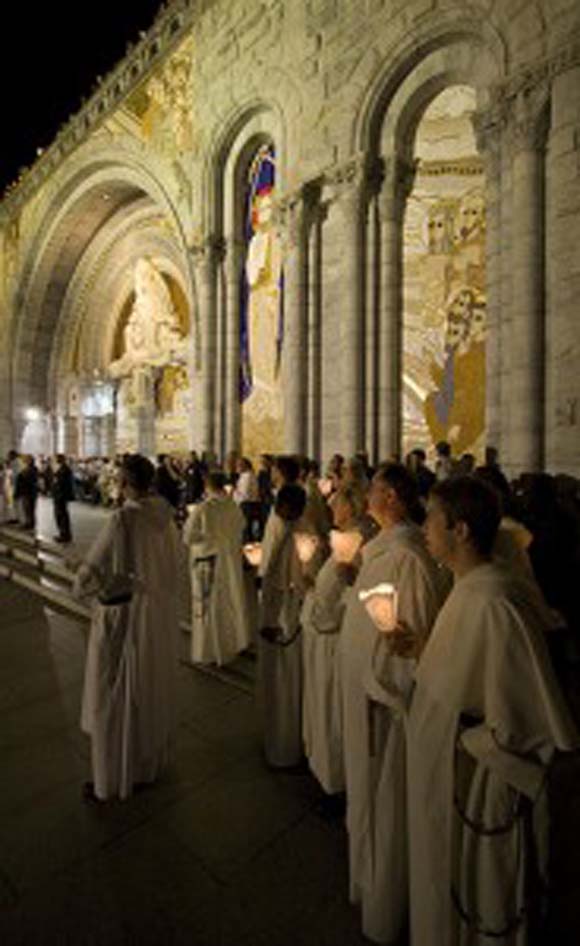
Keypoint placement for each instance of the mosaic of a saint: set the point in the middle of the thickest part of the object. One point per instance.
(262, 317)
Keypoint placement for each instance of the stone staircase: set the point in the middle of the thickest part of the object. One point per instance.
(41, 567)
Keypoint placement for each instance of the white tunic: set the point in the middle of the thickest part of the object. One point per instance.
(321, 619)
(130, 674)
(220, 625)
(280, 662)
(485, 720)
(375, 687)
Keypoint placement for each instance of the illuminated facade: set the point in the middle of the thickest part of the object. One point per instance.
(409, 271)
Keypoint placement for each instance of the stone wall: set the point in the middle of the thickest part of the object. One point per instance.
(154, 164)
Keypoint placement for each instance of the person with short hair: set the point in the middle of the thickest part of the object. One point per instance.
(63, 493)
(213, 534)
(26, 492)
(485, 722)
(132, 574)
(279, 640)
(376, 672)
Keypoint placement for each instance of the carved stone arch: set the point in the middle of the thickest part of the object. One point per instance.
(90, 192)
(437, 33)
(248, 126)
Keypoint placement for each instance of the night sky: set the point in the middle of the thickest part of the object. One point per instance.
(50, 60)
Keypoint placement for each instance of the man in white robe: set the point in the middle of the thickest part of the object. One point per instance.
(376, 683)
(280, 640)
(485, 721)
(220, 628)
(131, 668)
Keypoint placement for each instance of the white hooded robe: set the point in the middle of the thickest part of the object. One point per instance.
(485, 720)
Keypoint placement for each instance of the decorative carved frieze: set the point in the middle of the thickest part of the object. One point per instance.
(172, 23)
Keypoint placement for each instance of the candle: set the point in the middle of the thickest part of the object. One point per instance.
(325, 486)
(381, 604)
(253, 553)
(344, 545)
(306, 545)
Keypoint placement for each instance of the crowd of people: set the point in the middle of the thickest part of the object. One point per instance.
(417, 639)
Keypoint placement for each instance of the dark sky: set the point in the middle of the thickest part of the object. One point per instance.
(51, 55)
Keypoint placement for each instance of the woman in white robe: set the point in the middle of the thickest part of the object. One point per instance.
(220, 628)
(485, 721)
(131, 668)
(321, 619)
(376, 684)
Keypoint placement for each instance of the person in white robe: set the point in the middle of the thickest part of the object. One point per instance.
(321, 619)
(220, 627)
(376, 683)
(131, 668)
(485, 722)
(280, 638)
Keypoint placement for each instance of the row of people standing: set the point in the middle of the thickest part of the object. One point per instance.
(22, 481)
(457, 695)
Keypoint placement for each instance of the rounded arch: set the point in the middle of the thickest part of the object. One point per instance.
(406, 66)
(248, 126)
(83, 201)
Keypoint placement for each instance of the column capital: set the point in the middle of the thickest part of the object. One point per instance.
(208, 251)
(397, 183)
(527, 118)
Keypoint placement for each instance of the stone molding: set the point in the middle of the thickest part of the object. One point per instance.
(170, 27)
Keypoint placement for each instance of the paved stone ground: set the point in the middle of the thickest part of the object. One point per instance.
(222, 852)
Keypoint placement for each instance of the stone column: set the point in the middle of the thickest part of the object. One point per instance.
(351, 183)
(68, 436)
(294, 351)
(108, 431)
(398, 184)
(145, 416)
(563, 274)
(233, 268)
(528, 136)
(314, 386)
(205, 258)
(489, 130)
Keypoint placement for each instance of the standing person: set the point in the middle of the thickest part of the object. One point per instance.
(443, 461)
(321, 619)
(193, 480)
(486, 720)
(167, 480)
(376, 685)
(213, 533)
(63, 493)
(279, 641)
(10, 474)
(131, 670)
(26, 492)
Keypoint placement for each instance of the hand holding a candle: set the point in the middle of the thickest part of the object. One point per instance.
(345, 546)
(306, 545)
(253, 553)
(381, 605)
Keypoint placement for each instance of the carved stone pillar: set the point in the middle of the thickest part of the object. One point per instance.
(145, 415)
(351, 183)
(205, 263)
(528, 136)
(294, 352)
(399, 177)
(314, 385)
(563, 274)
(68, 436)
(233, 268)
(488, 129)
(108, 435)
